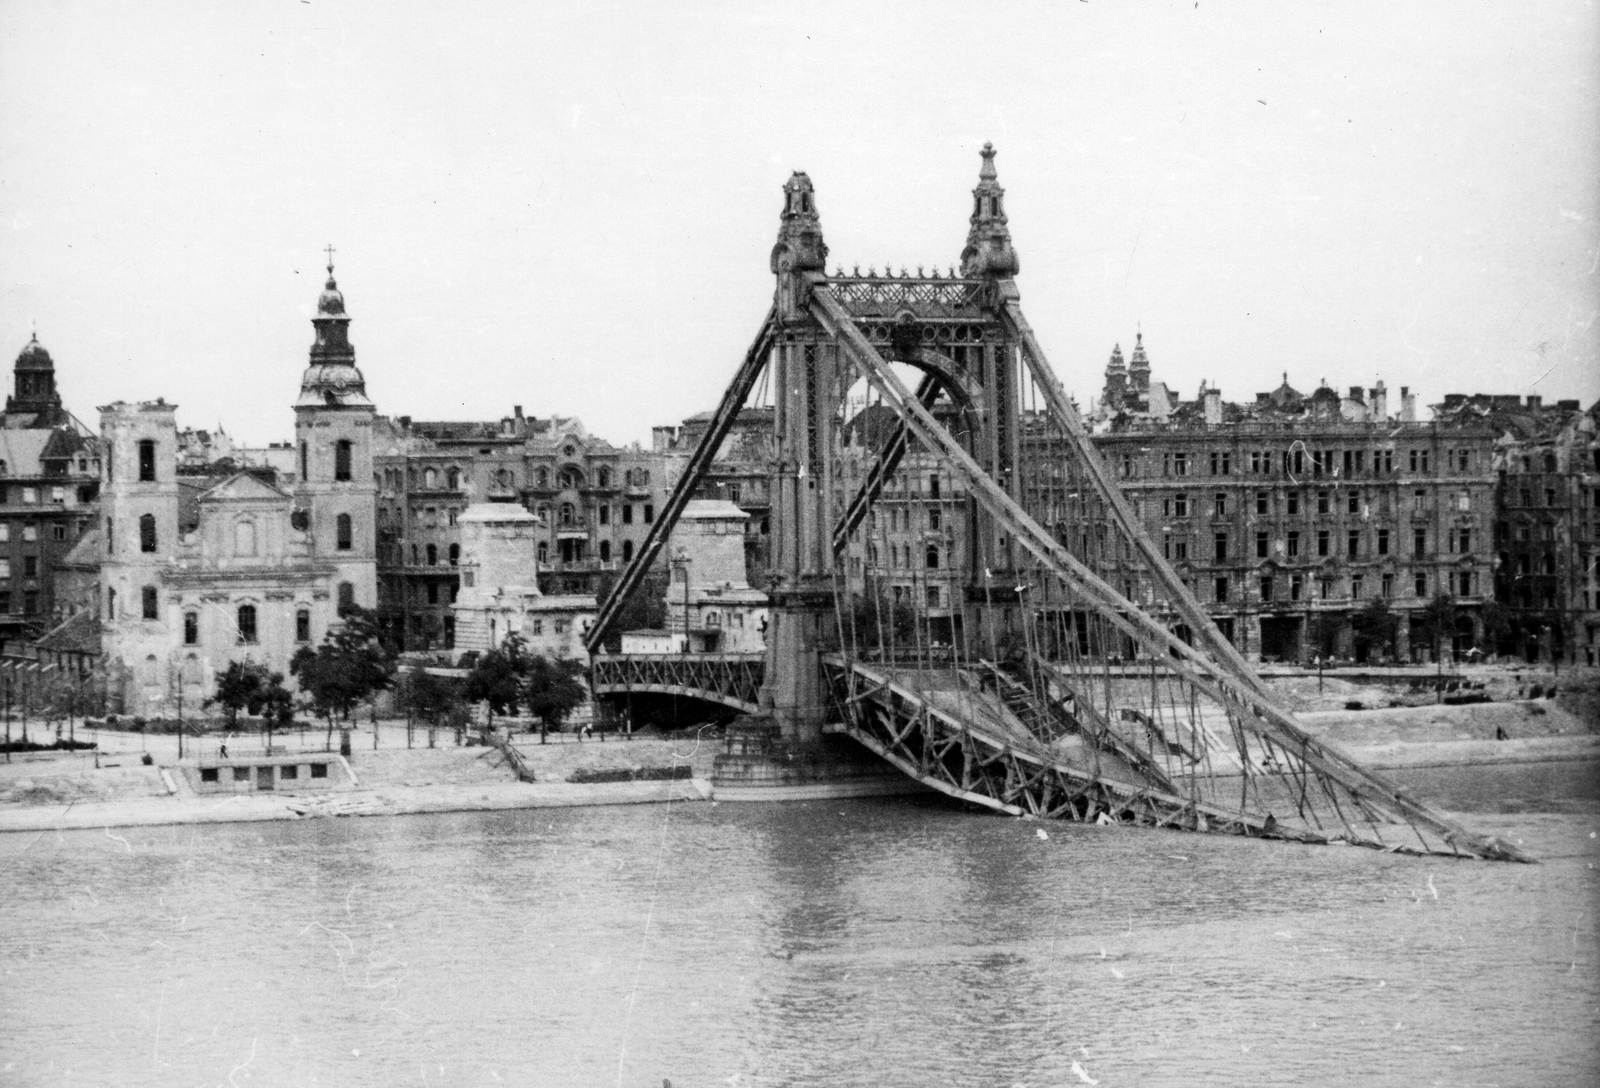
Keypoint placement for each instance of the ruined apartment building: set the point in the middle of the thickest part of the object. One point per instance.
(594, 503)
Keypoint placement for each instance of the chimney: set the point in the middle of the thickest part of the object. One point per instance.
(1535, 401)
(516, 412)
(1380, 403)
(1213, 407)
(1355, 393)
(1408, 405)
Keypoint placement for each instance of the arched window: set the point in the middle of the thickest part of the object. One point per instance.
(244, 537)
(455, 554)
(302, 625)
(602, 478)
(544, 553)
(151, 608)
(543, 477)
(627, 551)
(147, 460)
(111, 604)
(247, 624)
(569, 513)
(305, 460)
(933, 558)
(341, 459)
(433, 555)
(570, 478)
(430, 479)
(605, 551)
(191, 628)
(452, 479)
(147, 533)
(543, 511)
(152, 669)
(1550, 462)
(502, 477)
(343, 533)
(347, 597)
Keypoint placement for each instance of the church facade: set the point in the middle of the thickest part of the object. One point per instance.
(205, 563)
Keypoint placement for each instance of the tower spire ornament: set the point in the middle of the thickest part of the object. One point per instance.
(988, 254)
(332, 377)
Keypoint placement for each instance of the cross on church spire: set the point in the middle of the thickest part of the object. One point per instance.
(330, 258)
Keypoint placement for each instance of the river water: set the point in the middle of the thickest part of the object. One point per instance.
(863, 942)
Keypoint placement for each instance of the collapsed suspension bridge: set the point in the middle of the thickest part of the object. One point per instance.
(1074, 675)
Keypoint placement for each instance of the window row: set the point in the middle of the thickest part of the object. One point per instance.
(244, 616)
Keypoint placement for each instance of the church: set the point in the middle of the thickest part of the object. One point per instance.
(246, 558)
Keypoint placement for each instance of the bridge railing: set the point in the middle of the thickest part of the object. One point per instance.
(732, 679)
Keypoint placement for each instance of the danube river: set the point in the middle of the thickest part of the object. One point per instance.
(826, 943)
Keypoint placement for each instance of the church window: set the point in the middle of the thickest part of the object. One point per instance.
(305, 460)
(191, 628)
(347, 596)
(433, 555)
(627, 551)
(244, 537)
(543, 477)
(147, 533)
(150, 605)
(627, 513)
(344, 534)
(341, 459)
(570, 479)
(147, 460)
(455, 554)
(430, 479)
(605, 514)
(111, 546)
(932, 558)
(605, 551)
(247, 624)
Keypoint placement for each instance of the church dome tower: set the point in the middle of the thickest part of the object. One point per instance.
(332, 377)
(35, 391)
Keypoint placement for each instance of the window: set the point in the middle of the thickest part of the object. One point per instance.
(1353, 502)
(147, 533)
(147, 460)
(1221, 463)
(30, 495)
(627, 513)
(1293, 502)
(627, 551)
(347, 596)
(1221, 590)
(1419, 542)
(247, 623)
(1355, 587)
(1353, 543)
(150, 607)
(1383, 542)
(1322, 542)
(932, 558)
(433, 555)
(30, 532)
(1180, 464)
(1419, 460)
(649, 513)
(605, 551)
(1219, 506)
(1180, 505)
(1296, 586)
(1266, 588)
(1261, 545)
(430, 479)
(302, 625)
(1464, 500)
(1127, 465)
(111, 604)
(1263, 502)
(934, 518)
(30, 566)
(208, 774)
(1180, 548)
(455, 554)
(1221, 542)
(241, 774)
(1419, 502)
(5, 568)
(569, 513)
(1325, 588)
(1293, 545)
(544, 552)
(341, 459)
(605, 514)
(319, 770)
(1388, 585)
(1322, 502)
(244, 537)
(1419, 583)
(433, 592)
(288, 770)
(933, 488)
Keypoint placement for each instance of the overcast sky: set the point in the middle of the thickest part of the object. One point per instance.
(570, 207)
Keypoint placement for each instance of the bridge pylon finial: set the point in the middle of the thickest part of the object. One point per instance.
(988, 253)
(800, 247)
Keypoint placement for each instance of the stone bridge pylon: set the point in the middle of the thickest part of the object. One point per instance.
(961, 597)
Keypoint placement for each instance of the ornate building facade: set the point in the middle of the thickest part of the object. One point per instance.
(204, 563)
(49, 483)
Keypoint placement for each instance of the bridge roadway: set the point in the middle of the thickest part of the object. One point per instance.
(971, 736)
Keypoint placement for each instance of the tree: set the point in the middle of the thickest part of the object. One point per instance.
(435, 699)
(239, 683)
(1376, 625)
(876, 621)
(646, 610)
(551, 690)
(498, 676)
(1436, 623)
(351, 665)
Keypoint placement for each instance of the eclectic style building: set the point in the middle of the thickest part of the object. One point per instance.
(593, 504)
(49, 483)
(205, 562)
(710, 605)
(500, 594)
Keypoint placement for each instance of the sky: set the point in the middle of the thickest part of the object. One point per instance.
(571, 207)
